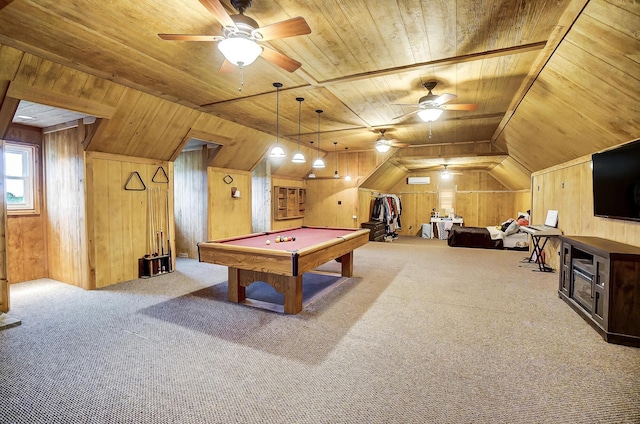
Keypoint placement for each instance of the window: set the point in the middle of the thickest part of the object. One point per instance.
(20, 178)
(447, 197)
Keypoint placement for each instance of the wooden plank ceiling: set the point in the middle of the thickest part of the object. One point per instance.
(362, 59)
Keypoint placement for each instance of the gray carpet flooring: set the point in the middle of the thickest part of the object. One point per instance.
(423, 333)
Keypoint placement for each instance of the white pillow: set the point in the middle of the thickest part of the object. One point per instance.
(512, 228)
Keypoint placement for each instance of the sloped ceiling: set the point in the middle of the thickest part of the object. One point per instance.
(553, 80)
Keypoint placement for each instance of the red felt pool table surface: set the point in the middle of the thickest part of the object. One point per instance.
(305, 237)
(282, 264)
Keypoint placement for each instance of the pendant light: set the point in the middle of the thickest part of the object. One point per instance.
(277, 151)
(298, 157)
(318, 163)
(346, 152)
(311, 174)
(335, 153)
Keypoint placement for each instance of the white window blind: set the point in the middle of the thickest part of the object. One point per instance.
(447, 199)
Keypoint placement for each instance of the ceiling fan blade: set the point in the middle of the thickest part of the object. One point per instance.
(277, 58)
(289, 28)
(401, 145)
(190, 37)
(227, 67)
(407, 114)
(444, 98)
(406, 104)
(218, 12)
(467, 106)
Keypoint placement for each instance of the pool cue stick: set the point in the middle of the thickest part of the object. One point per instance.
(149, 224)
(169, 234)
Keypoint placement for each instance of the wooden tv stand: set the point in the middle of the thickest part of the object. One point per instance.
(600, 280)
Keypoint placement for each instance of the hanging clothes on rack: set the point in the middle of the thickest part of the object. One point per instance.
(387, 208)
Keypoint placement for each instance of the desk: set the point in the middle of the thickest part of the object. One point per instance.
(281, 265)
(438, 225)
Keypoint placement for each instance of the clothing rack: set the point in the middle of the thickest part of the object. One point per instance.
(387, 208)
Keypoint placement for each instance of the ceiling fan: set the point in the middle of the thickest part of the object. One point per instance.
(239, 42)
(431, 106)
(383, 144)
(446, 174)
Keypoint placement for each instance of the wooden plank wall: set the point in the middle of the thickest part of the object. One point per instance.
(228, 216)
(26, 235)
(332, 203)
(26, 252)
(118, 220)
(480, 199)
(64, 188)
(190, 172)
(4, 279)
(568, 188)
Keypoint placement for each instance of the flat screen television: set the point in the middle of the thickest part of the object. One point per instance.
(616, 182)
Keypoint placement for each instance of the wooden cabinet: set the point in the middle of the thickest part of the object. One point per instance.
(376, 230)
(600, 280)
(289, 202)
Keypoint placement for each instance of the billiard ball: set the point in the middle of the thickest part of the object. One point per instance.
(277, 239)
(293, 239)
(268, 242)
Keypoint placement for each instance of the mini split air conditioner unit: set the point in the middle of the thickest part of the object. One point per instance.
(419, 180)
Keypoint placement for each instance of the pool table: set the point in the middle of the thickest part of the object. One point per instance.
(281, 264)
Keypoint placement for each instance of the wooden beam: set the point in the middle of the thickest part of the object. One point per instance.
(490, 54)
(7, 111)
(64, 101)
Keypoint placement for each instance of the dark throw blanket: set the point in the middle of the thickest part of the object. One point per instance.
(478, 237)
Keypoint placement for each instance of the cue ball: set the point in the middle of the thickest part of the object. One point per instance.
(268, 242)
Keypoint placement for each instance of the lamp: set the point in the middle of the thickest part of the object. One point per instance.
(335, 153)
(311, 174)
(277, 151)
(430, 114)
(298, 157)
(445, 175)
(239, 50)
(318, 163)
(346, 153)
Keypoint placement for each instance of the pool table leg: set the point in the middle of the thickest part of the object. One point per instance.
(293, 294)
(235, 292)
(347, 264)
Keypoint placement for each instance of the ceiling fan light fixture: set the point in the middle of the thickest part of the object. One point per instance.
(445, 174)
(312, 175)
(430, 114)
(240, 50)
(382, 147)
